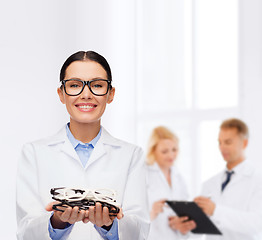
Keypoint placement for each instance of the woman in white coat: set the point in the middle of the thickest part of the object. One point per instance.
(84, 155)
(164, 182)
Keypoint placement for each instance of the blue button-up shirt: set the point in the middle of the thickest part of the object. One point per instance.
(84, 151)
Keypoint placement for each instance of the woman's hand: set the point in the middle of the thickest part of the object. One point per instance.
(182, 224)
(99, 216)
(59, 219)
(157, 208)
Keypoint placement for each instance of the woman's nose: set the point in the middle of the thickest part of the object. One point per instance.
(171, 155)
(86, 93)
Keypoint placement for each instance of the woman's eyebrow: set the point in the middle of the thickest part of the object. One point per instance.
(74, 78)
(95, 78)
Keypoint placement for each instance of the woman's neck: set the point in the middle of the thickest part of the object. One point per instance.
(167, 173)
(84, 132)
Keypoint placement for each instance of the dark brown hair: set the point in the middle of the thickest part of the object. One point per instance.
(85, 56)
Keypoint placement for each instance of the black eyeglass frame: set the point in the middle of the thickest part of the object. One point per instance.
(87, 83)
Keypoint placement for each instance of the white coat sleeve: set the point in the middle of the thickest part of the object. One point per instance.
(32, 218)
(135, 223)
(247, 222)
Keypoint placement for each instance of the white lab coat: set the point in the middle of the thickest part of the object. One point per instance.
(157, 189)
(53, 162)
(238, 212)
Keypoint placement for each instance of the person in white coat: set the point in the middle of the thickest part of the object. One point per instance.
(233, 198)
(164, 182)
(84, 155)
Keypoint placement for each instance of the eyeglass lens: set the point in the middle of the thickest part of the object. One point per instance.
(72, 194)
(98, 87)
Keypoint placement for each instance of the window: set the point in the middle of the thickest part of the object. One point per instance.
(187, 78)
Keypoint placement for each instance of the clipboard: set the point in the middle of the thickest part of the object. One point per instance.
(191, 210)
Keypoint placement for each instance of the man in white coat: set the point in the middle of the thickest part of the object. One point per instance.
(233, 198)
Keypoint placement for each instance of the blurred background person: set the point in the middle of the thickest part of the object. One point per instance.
(164, 182)
(233, 197)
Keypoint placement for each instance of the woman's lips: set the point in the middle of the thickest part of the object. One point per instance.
(86, 107)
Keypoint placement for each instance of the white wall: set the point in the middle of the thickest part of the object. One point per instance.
(250, 73)
(31, 54)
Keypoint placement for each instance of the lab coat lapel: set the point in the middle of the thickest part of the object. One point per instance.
(98, 152)
(162, 176)
(68, 149)
(245, 170)
(100, 148)
(62, 140)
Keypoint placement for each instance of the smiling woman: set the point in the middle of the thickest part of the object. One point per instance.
(87, 153)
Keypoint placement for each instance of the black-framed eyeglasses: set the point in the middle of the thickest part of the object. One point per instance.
(98, 87)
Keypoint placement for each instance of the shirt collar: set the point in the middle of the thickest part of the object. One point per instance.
(76, 142)
(243, 168)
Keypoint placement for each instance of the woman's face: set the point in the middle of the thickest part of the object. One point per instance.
(166, 152)
(86, 107)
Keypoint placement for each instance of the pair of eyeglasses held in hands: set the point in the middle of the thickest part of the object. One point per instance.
(85, 198)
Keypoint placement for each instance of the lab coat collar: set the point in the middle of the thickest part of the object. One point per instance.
(101, 147)
(98, 152)
(61, 137)
(174, 173)
(155, 167)
(244, 168)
